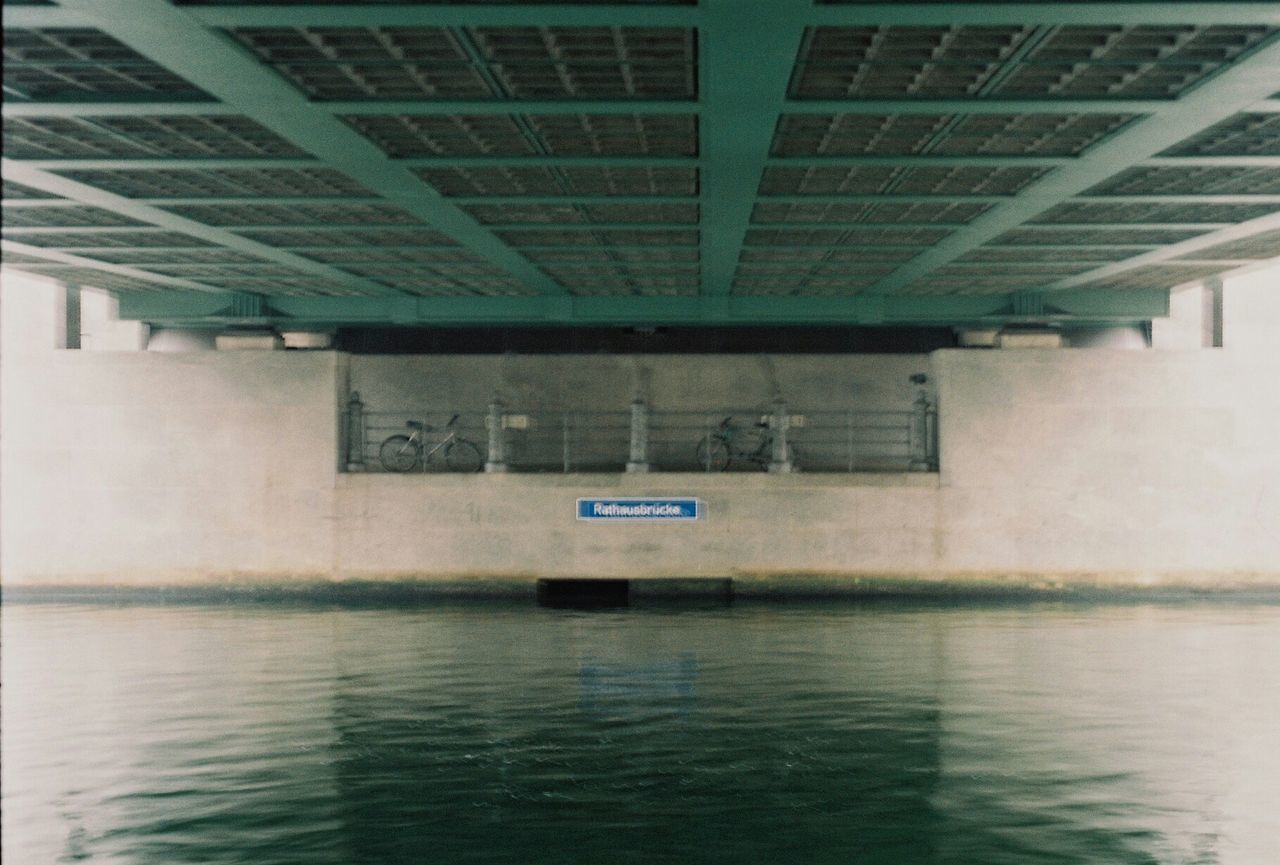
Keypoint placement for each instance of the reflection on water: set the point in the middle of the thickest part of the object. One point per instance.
(885, 733)
(634, 690)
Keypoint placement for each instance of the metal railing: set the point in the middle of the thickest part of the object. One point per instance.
(644, 439)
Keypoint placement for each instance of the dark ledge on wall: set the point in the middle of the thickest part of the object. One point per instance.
(1017, 588)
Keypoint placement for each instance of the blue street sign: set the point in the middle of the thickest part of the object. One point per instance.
(632, 509)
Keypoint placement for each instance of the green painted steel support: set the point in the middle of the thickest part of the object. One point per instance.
(134, 107)
(1169, 254)
(198, 163)
(1245, 82)
(56, 256)
(158, 218)
(506, 200)
(637, 15)
(748, 48)
(929, 161)
(95, 108)
(1081, 306)
(219, 66)
(450, 15)
(1017, 14)
(748, 51)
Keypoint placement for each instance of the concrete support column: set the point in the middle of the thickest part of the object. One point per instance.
(71, 312)
(497, 461)
(355, 433)
(780, 423)
(639, 460)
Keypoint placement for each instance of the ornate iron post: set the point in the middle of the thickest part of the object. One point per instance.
(639, 460)
(355, 433)
(497, 461)
(780, 423)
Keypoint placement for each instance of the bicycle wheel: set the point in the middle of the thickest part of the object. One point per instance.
(752, 450)
(461, 455)
(398, 454)
(713, 454)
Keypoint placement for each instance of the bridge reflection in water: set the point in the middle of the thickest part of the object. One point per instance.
(876, 733)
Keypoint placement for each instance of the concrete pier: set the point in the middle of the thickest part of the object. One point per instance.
(1058, 468)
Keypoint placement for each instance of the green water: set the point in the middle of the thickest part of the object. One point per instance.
(881, 733)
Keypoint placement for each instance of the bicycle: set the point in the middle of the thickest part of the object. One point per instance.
(401, 453)
(728, 442)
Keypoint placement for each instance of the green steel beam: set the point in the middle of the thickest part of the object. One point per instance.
(201, 163)
(54, 256)
(573, 199)
(549, 161)
(1101, 307)
(789, 106)
(1241, 198)
(264, 200)
(95, 108)
(593, 161)
(88, 229)
(869, 198)
(1210, 162)
(1085, 14)
(115, 108)
(1245, 82)
(1167, 254)
(215, 63)
(131, 108)
(837, 198)
(1123, 226)
(747, 54)
(43, 17)
(163, 219)
(452, 15)
(569, 15)
(410, 107)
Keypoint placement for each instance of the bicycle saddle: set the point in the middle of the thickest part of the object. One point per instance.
(416, 424)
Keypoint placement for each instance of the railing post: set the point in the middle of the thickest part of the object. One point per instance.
(497, 461)
(639, 460)
(566, 453)
(931, 437)
(780, 422)
(355, 433)
(920, 433)
(849, 436)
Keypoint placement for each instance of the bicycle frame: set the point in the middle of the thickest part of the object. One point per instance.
(731, 434)
(426, 457)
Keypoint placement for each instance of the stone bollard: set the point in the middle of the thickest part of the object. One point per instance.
(780, 422)
(355, 433)
(497, 461)
(639, 460)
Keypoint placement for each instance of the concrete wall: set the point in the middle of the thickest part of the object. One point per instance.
(1069, 466)
(1128, 464)
(757, 527)
(133, 467)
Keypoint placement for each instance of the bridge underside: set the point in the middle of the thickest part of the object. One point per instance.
(666, 162)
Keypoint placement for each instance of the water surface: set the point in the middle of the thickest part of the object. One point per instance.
(882, 733)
